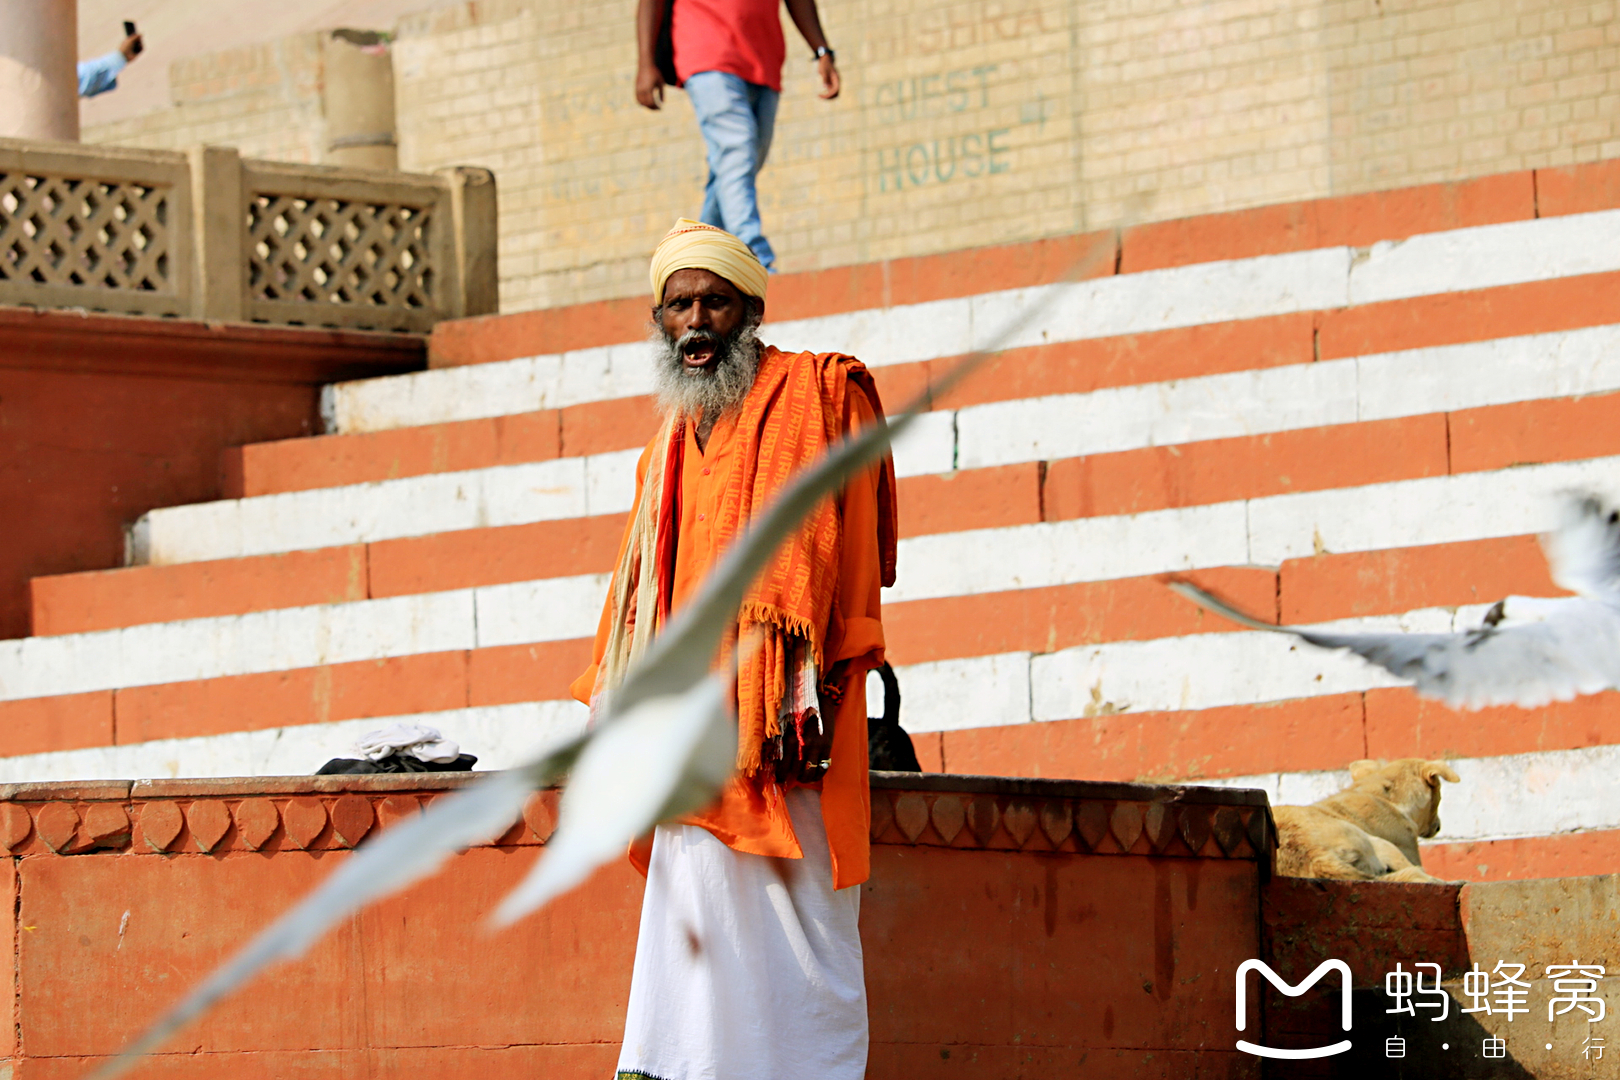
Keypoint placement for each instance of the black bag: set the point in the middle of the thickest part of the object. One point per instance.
(664, 51)
(888, 747)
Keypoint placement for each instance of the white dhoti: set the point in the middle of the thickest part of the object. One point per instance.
(747, 968)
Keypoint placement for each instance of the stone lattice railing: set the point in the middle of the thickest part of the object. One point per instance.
(208, 235)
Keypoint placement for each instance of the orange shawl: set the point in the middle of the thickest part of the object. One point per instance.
(791, 418)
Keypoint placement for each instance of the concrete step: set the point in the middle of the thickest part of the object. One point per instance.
(1534, 314)
(979, 660)
(1354, 220)
(1122, 483)
(1267, 286)
(1410, 383)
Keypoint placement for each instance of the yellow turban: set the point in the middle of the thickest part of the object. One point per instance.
(694, 245)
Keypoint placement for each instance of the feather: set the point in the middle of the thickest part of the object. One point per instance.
(1534, 650)
(626, 779)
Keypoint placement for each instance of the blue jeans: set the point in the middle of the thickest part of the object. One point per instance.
(737, 119)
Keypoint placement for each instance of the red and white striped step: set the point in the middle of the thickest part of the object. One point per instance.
(1348, 409)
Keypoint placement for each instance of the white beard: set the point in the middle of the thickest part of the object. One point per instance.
(702, 392)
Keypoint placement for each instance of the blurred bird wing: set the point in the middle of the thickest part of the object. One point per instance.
(399, 855)
(1583, 552)
(664, 757)
(1573, 649)
(1576, 651)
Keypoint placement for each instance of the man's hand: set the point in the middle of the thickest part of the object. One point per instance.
(132, 47)
(830, 84)
(817, 749)
(818, 740)
(649, 86)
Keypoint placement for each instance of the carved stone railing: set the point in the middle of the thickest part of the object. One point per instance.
(908, 809)
(1075, 816)
(208, 235)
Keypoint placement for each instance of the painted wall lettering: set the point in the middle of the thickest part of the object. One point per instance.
(939, 161)
(936, 94)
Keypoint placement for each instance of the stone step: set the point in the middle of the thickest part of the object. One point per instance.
(1349, 220)
(1036, 655)
(1326, 279)
(1123, 483)
(1473, 375)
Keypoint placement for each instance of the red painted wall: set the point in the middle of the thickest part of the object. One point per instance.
(992, 949)
(103, 418)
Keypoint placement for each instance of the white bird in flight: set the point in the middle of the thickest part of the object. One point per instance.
(1530, 650)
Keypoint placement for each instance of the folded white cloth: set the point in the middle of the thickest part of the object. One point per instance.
(419, 741)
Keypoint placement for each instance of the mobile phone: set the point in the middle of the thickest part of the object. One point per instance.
(129, 32)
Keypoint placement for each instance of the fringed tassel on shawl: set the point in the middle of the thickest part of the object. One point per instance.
(636, 580)
(762, 684)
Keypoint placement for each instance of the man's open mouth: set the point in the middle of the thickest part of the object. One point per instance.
(699, 353)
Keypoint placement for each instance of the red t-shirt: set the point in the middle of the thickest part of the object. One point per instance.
(743, 37)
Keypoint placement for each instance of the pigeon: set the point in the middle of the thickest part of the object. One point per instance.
(1529, 650)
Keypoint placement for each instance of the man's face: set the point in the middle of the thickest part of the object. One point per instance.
(701, 310)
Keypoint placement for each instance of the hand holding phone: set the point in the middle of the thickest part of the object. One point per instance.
(133, 36)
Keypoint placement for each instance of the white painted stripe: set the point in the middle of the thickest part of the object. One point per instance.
(1199, 671)
(949, 695)
(552, 609)
(445, 395)
(1382, 386)
(500, 736)
(1158, 414)
(1066, 552)
(1487, 256)
(1546, 793)
(1500, 371)
(1410, 513)
(1204, 293)
(288, 638)
(387, 509)
(1262, 532)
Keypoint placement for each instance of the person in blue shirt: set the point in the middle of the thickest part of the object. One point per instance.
(101, 74)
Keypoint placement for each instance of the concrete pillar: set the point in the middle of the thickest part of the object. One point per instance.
(359, 100)
(39, 83)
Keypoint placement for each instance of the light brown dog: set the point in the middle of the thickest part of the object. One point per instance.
(1370, 830)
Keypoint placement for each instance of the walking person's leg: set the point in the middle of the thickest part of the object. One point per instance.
(726, 108)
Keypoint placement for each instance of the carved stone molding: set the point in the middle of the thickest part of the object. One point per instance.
(216, 817)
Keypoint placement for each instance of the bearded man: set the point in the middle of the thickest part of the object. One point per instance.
(748, 963)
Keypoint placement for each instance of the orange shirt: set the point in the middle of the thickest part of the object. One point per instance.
(751, 814)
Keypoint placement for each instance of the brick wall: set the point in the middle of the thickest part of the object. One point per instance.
(961, 124)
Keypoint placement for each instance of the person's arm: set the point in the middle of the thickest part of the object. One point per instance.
(649, 80)
(808, 21)
(101, 74)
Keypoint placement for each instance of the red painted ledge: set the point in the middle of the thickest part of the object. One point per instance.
(93, 343)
